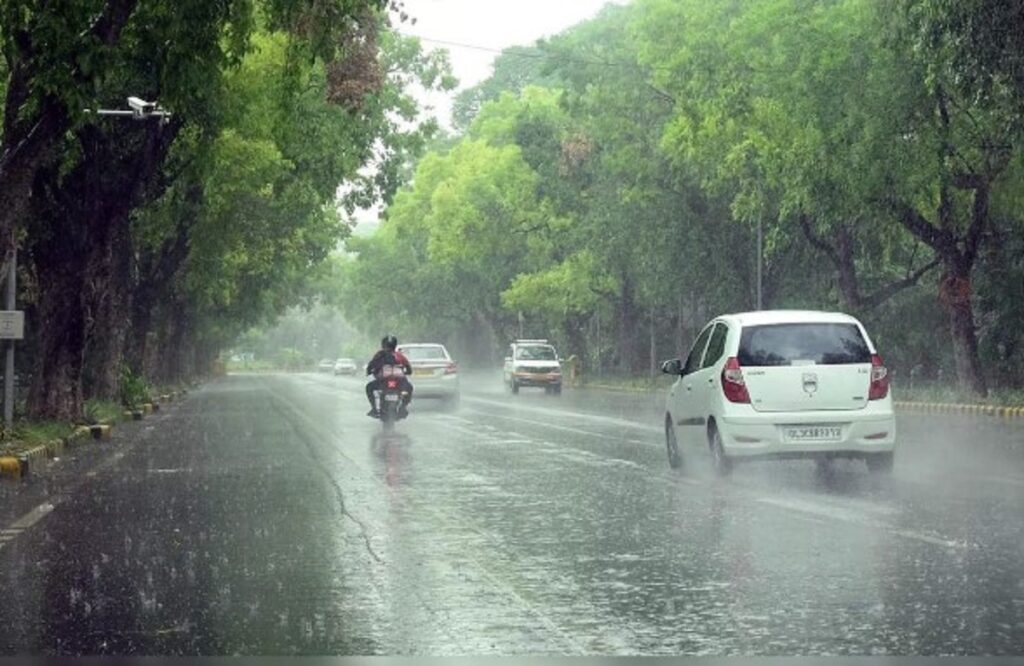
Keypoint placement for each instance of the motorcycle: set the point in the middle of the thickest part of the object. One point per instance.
(391, 395)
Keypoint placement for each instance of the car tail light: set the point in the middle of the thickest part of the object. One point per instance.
(879, 379)
(733, 386)
(451, 368)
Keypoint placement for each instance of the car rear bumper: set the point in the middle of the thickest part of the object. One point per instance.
(434, 387)
(536, 379)
(765, 437)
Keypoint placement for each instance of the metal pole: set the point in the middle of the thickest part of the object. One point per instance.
(9, 366)
(760, 265)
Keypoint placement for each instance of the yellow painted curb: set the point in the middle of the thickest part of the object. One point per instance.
(950, 408)
(55, 447)
(147, 408)
(10, 467)
(619, 389)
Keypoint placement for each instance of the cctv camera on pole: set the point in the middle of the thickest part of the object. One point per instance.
(140, 107)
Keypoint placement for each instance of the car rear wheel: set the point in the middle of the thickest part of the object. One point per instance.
(675, 459)
(556, 389)
(515, 386)
(880, 463)
(721, 462)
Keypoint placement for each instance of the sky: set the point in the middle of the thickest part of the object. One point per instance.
(492, 24)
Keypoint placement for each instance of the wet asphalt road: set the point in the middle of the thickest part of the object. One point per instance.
(268, 515)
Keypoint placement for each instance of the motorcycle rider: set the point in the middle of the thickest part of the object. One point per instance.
(388, 355)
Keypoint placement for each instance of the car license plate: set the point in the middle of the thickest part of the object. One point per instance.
(816, 433)
(420, 372)
(391, 397)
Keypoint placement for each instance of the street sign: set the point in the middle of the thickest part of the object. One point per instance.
(12, 325)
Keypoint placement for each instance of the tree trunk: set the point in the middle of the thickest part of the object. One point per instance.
(955, 293)
(108, 304)
(654, 347)
(55, 390)
(82, 247)
(628, 340)
(575, 333)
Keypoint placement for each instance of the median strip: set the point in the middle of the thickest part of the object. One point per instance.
(1002, 411)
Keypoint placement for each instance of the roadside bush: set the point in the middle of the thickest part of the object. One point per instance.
(134, 390)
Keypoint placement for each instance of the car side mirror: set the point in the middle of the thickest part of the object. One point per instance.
(672, 367)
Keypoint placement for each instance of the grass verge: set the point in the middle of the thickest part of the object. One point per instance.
(27, 435)
(638, 384)
(937, 393)
(102, 411)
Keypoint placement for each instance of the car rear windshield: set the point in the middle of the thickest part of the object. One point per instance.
(535, 353)
(797, 344)
(424, 353)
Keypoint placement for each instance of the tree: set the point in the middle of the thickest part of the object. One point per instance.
(164, 177)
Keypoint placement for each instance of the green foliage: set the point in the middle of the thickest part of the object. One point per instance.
(607, 183)
(34, 433)
(135, 391)
(101, 411)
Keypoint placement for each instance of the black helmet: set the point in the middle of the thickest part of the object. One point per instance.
(389, 342)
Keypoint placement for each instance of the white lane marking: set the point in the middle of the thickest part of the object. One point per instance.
(33, 516)
(837, 513)
(563, 413)
(27, 521)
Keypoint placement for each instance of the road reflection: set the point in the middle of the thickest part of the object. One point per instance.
(392, 454)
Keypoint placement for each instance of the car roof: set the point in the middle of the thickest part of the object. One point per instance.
(765, 317)
(420, 344)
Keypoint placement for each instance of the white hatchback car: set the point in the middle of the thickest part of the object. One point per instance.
(781, 384)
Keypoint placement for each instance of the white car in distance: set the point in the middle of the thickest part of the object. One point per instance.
(781, 384)
(345, 366)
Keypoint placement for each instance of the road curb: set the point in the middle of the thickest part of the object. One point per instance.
(10, 467)
(19, 466)
(618, 389)
(27, 459)
(101, 431)
(1000, 411)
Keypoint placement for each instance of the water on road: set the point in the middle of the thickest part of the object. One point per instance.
(268, 515)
